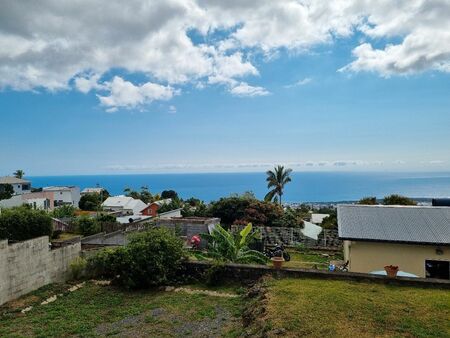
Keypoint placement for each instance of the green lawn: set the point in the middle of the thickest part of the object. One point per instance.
(311, 259)
(107, 311)
(322, 308)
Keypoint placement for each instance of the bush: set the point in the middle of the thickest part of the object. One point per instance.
(64, 211)
(150, 258)
(398, 200)
(22, 223)
(77, 267)
(87, 226)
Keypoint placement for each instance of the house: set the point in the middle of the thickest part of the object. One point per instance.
(64, 195)
(318, 218)
(95, 190)
(124, 205)
(414, 238)
(152, 208)
(37, 200)
(19, 185)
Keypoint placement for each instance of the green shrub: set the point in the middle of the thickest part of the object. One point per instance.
(87, 226)
(77, 267)
(22, 223)
(150, 258)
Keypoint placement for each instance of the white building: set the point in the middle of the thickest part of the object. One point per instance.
(96, 190)
(64, 195)
(124, 204)
(19, 185)
(318, 218)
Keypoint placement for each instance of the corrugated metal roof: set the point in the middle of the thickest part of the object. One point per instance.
(415, 224)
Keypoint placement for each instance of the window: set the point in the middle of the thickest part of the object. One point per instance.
(437, 269)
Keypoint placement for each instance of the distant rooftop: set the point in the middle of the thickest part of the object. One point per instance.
(405, 224)
(12, 180)
(58, 188)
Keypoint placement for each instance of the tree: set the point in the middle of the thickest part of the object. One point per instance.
(169, 194)
(6, 191)
(144, 195)
(65, 210)
(22, 223)
(87, 226)
(277, 179)
(291, 218)
(229, 209)
(19, 173)
(261, 213)
(90, 201)
(224, 246)
(330, 222)
(368, 201)
(174, 204)
(398, 200)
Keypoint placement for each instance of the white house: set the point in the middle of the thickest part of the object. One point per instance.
(64, 195)
(19, 185)
(124, 204)
(318, 218)
(96, 190)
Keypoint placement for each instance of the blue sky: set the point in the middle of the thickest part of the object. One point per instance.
(289, 102)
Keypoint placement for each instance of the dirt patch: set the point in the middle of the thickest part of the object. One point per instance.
(161, 322)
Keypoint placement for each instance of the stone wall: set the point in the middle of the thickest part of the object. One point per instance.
(29, 265)
(247, 273)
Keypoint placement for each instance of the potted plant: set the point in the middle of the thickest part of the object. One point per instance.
(277, 261)
(391, 270)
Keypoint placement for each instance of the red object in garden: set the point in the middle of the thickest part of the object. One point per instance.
(195, 241)
(391, 270)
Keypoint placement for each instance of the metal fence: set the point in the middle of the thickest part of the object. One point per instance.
(328, 238)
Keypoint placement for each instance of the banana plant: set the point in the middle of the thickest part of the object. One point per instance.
(224, 246)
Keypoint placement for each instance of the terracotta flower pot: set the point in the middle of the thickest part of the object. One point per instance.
(391, 270)
(277, 262)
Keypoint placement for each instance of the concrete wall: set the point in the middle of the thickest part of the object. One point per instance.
(29, 265)
(372, 256)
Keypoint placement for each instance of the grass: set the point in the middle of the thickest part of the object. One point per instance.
(103, 310)
(322, 308)
(310, 259)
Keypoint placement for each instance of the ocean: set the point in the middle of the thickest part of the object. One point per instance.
(305, 186)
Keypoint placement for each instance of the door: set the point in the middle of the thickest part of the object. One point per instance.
(437, 269)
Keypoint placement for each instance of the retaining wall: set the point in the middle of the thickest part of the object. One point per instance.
(29, 265)
(250, 273)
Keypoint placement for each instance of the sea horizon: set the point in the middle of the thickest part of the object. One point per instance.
(306, 186)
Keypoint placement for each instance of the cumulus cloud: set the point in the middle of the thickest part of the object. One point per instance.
(244, 89)
(47, 45)
(124, 94)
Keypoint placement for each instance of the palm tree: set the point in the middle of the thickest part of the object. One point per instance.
(277, 179)
(19, 173)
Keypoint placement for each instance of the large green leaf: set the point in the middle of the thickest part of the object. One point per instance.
(244, 233)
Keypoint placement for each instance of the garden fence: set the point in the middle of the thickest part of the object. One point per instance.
(327, 239)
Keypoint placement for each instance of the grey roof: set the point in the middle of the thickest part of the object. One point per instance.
(406, 224)
(12, 180)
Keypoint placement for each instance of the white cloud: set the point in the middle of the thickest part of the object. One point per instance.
(124, 94)
(172, 109)
(243, 89)
(301, 82)
(50, 43)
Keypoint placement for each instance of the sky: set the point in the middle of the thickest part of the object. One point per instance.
(90, 87)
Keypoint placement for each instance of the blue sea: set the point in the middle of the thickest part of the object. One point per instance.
(305, 186)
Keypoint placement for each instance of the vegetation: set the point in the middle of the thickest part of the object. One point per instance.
(150, 258)
(398, 200)
(326, 308)
(87, 226)
(276, 180)
(106, 311)
(144, 195)
(368, 201)
(330, 222)
(64, 211)
(77, 267)
(174, 204)
(92, 201)
(224, 246)
(19, 173)
(230, 209)
(291, 218)
(6, 191)
(169, 194)
(22, 223)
